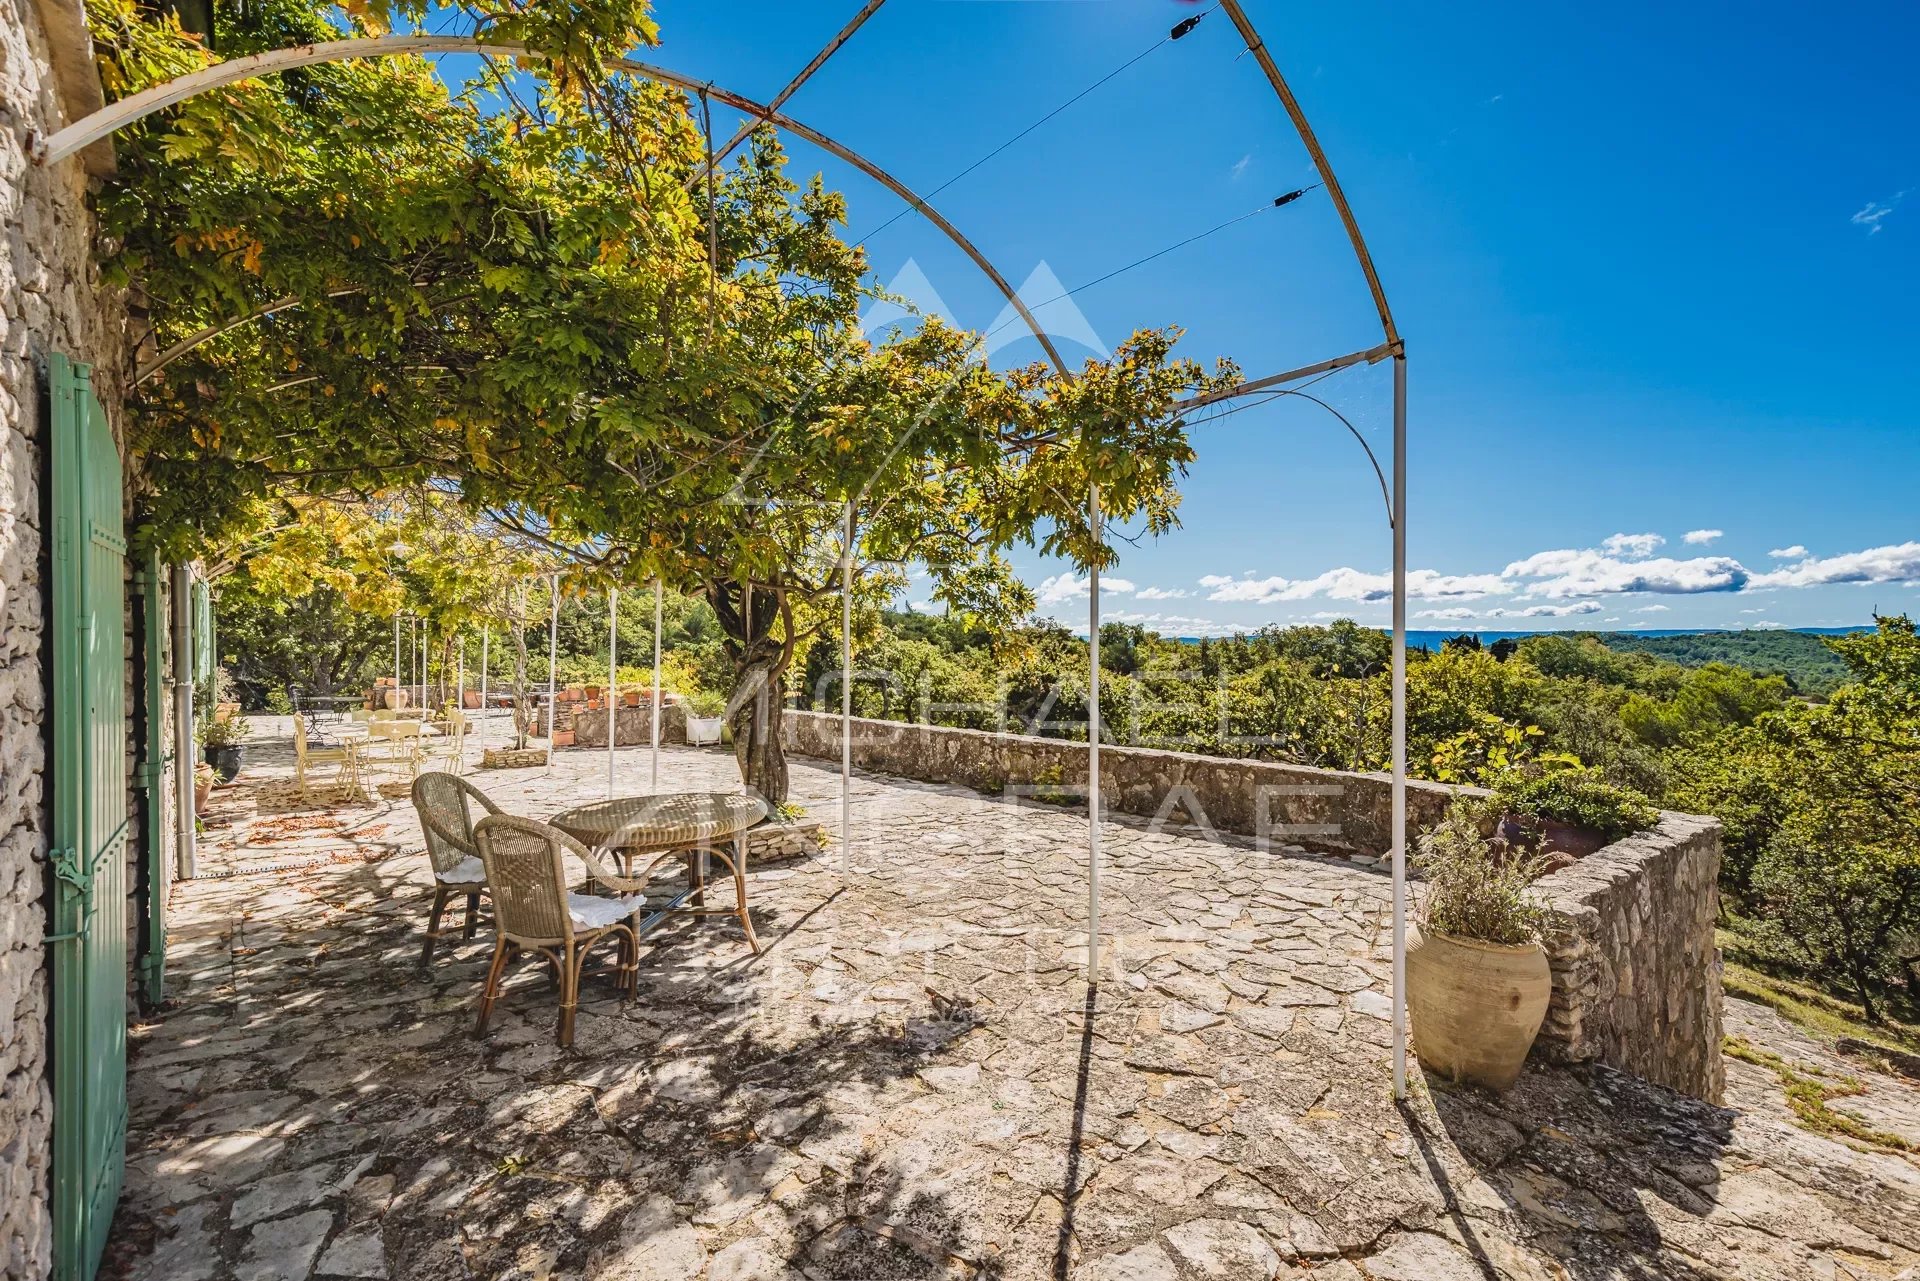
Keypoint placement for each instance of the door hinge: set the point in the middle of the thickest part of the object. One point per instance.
(66, 867)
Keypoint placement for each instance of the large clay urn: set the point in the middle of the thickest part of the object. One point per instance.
(1476, 1007)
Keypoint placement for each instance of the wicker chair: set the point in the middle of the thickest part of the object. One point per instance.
(534, 910)
(443, 802)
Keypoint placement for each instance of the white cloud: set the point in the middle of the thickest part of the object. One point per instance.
(1065, 587)
(1460, 614)
(1161, 593)
(1767, 625)
(1631, 546)
(1590, 573)
(1347, 583)
(1899, 563)
(1701, 537)
(1172, 624)
(1873, 215)
(1240, 167)
(1794, 552)
(1651, 609)
(1754, 611)
(1554, 611)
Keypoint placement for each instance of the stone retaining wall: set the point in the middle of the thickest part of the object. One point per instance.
(1293, 804)
(1636, 974)
(635, 725)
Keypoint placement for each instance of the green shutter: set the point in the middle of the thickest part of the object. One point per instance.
(88, 938)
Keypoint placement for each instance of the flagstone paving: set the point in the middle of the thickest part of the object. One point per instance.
(910, 1083)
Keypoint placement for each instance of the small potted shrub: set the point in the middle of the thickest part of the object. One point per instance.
(1477, 976)
(222, 738)
(1568, 812)
(705, 719)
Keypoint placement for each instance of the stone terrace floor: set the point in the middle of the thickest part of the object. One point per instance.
(309, 1104)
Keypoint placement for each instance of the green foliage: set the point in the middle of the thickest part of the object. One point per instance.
(1578, 795)
(224, 728)
(1809, 663)
(1705, 701)
(1470, 892)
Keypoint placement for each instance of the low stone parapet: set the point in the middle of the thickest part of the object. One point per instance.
(1636, 971)
(1268, 800)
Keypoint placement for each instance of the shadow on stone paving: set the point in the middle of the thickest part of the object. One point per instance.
(1573, 1156)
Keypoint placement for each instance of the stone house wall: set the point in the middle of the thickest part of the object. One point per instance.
(51, 299)
(1636, 973)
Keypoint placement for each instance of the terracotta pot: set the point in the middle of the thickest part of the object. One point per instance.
(1476, 1007)
(202, 789)
(1569, 839)
(633, 700)
(593, 692)
(563, 738)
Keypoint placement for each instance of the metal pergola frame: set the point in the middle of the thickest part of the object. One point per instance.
(102, 123)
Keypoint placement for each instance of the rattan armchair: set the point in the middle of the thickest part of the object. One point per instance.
(535, 911)
(445, 805)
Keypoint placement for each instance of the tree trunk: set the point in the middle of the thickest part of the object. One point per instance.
(522, 714)
(759, 685)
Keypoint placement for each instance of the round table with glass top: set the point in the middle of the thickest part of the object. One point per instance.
(692, 825)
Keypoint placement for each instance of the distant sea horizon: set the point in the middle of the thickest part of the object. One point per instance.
(1429, 639)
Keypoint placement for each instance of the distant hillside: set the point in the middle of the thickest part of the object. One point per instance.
(1802, 656)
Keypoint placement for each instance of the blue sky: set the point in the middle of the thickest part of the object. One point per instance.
(1655, 266)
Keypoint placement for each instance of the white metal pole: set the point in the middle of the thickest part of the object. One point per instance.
(613, 680)
(846, 695)
(185, 759)
(460, 702)
(1093, 745)
(1400, 726)
(658, 614)
(396, 662)
(486, 636)
(553, 667)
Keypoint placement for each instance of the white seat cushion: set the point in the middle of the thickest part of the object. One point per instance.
(591, 912)
(468, 871)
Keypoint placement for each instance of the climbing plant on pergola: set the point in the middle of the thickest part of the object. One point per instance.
(578, 44)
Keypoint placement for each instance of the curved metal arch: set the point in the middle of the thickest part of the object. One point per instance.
(100, 124)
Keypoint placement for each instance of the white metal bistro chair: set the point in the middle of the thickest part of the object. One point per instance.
(306, 757)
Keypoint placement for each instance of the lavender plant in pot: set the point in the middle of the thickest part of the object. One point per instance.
(1477, 976)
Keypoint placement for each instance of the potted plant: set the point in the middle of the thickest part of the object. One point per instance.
(221, 737)
(1477, 976)
(1568, 812)
(704, 718)
(203, 780)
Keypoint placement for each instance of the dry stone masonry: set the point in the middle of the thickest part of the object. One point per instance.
(51, 299)
(1636, 974)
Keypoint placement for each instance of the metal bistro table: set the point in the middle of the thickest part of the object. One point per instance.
(690, 824)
